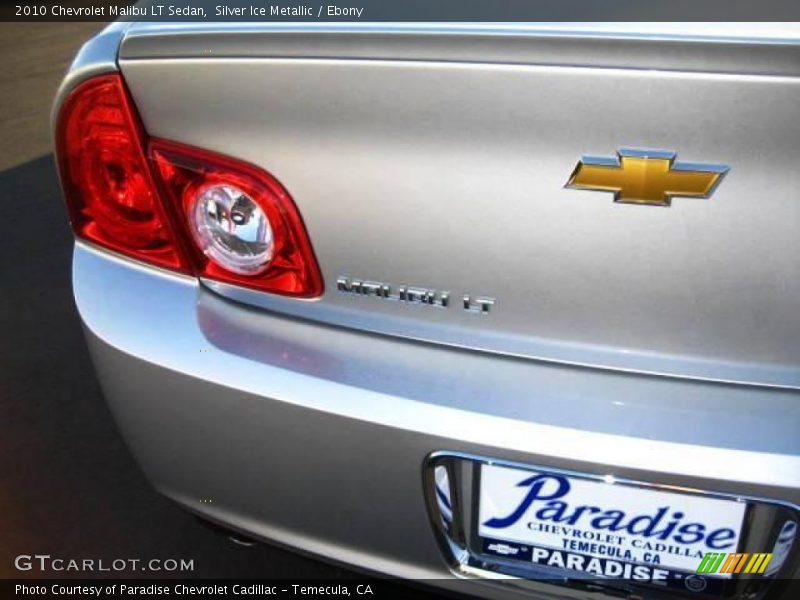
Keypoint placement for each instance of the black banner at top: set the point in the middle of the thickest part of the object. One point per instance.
(374, 11)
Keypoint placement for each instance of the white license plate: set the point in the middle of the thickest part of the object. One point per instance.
(601, 528)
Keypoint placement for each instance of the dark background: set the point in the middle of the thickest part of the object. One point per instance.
(68, 485)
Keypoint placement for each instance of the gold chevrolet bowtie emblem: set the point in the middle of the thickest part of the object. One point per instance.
(645, 177)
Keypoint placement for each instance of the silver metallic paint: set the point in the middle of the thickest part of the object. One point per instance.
(169, 320)
(213, 397)
(763, 48)
(366, 148)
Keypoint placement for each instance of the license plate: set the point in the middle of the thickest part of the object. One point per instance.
(601, 528)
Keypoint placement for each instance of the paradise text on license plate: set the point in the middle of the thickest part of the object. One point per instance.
(599, 528)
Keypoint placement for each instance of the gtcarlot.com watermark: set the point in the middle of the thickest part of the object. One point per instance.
(47, 563)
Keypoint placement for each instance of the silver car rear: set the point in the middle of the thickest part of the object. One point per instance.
(476, 310)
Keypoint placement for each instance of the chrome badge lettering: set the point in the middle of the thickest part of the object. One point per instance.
(412, 295)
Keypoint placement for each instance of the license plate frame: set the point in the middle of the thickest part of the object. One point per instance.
(452, 489)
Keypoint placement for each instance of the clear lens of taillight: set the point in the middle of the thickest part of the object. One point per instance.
(243, 222)
(231, 229)
(176, 206)
(107, 182)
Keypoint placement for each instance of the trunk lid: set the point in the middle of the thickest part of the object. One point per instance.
(441, 175)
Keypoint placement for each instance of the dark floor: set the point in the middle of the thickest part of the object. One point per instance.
(68, 486)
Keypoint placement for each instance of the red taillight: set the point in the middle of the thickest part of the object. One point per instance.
(109, 189)
(179, 207)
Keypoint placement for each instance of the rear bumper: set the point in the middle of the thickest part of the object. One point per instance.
(315, 437)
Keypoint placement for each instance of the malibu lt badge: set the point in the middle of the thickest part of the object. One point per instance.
(405, 294)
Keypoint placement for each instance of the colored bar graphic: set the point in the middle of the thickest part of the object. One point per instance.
(727, 566)
(733, 562)
(703, 567)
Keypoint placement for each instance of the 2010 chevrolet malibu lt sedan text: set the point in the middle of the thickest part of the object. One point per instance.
(509, 306)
